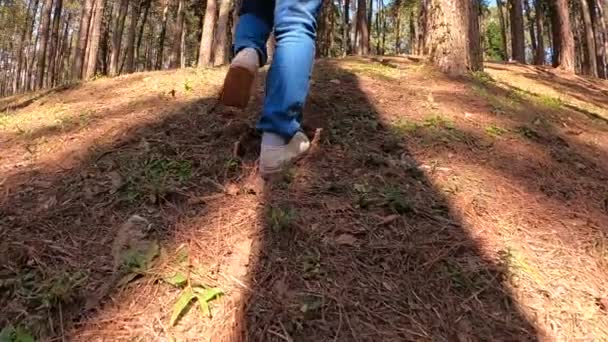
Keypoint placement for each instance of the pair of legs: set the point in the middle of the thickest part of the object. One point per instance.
(287, 84)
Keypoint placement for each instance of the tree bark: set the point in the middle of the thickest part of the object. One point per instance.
(397, 17)
(602, 35)
(23, 43)
(539, 52)
(503, 29)
(55, 40)
(129, 63)
(517, 31)
(531, 30)
(362, 32)
(83, 38)
(451, 36)
(412, 44)
(45, 20)
(346, 28)
(118, 23)
(475, 54)
(204, 58)
(93, 45)
(370, 13)
(161, 40)
(590, 65)
(423, 27)
(141, 33)
(220, 51)
(384, 29)
(563, 38)
(176, 50)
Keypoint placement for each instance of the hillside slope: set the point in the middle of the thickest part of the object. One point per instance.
(429, 208)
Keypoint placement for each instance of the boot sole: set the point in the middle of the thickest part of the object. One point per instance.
(237, 87)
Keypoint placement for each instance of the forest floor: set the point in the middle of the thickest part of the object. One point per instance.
(429, 209)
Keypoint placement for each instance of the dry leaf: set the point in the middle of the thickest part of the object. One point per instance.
(346, 240)
(388, 220)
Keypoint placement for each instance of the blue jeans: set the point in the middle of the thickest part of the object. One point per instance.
(287, 84)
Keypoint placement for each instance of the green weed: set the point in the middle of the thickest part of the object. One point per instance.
(404, 126)
(438, 121)
(280, 219)
(482, 77)
(550, 102)
(396, 201)
(12, 334)
(495, 131)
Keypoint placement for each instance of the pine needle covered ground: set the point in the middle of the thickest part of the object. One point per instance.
(429, 208)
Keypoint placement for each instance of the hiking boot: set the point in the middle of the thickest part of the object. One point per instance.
(239, 79)
(274, 158)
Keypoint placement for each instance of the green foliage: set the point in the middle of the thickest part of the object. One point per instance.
(494, 44)
(10, 334)
(203, 296)
(280, 218)
(495, 131)
(438, 121)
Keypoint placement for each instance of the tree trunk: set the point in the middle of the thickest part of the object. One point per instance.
(590, 65)
(412, 47)
(533, 37)
(563, 38)
(23, 43)
(503, 29)
(176, 50)
(370, 13)
(44, 41)
(475, 53)
(55, 40)
(141, 34)
(397, 15)
(377, 24)
(602, 39)
(161, 40)
(118, 23)
(32, 61)
(129, 63)
(362, 32)
(517, 32)
(423, 27)
(384, 29)
(64, 50)
(539, 52)
(346, 28)
(220, 50)
(452, 37)
(83, 39)
(93, 45)
(204, 58)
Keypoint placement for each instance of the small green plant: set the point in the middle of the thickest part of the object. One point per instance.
(280, 218)
(550, 102)
(482, 77)
(187, 86)
(495, 131)
(232, 164)
(438, 121)
(189, 290)
(19, 334)
(404, 126)
(396, 201)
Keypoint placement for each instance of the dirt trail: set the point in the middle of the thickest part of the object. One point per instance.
(428, 209)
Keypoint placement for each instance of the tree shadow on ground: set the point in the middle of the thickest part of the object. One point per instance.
(58, 223)
(358, 244)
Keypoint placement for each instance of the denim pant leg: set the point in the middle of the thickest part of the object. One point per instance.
(254, 26)
(289, 76)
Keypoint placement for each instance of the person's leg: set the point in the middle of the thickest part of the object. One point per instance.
(256, 19)
(289, 76)
(249, 48)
